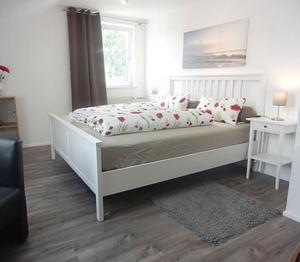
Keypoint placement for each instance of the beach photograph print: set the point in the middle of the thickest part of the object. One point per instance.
(218, 46)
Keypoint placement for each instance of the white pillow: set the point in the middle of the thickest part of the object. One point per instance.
(224, 110)
(162, 101)
(176, 102)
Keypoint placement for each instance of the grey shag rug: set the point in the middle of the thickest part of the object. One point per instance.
(214, 212)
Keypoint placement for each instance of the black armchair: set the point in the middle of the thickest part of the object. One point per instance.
(13, 211)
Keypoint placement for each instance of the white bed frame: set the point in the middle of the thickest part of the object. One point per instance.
(82, 151)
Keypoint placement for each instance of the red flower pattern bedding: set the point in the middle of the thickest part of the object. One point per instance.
(224, 110)
(176, 102)
(119, 119)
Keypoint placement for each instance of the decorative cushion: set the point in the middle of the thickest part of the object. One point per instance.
(176, 102)
(163, 101)
(223, 110)
(193, 104)
(246, 112)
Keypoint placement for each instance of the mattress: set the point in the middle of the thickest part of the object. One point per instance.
(138, 148)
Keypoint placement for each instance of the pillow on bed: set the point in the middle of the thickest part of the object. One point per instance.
(193, 104)
(246, 112)
(224, 110)
(176, 102)
(163, 101)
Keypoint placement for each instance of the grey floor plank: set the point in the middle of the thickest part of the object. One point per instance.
(63, 226)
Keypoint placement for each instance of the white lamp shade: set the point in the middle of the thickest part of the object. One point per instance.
(280, 98)
(155, 90)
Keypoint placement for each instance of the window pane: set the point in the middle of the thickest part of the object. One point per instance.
(116, 56)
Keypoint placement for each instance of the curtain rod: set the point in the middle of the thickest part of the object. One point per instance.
(66, 9)
(127, 19)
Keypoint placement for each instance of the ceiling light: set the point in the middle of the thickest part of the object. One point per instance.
(124, 2)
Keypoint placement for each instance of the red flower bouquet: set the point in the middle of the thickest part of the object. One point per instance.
(4, 68)
(3, 71)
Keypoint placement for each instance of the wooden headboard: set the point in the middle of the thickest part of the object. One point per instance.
(253, 87)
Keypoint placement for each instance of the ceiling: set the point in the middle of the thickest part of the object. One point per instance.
(135, 8)
(143, 9)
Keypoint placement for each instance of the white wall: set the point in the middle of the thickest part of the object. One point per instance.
(34, 45)
(273, 44)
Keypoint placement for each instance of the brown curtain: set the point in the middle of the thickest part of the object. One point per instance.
(86, 59)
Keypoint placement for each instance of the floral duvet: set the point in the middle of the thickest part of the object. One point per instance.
(119, 119)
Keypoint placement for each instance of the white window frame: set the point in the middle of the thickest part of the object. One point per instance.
(131, 53)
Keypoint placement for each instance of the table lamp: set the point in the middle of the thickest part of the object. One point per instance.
(154, 91)
(279, 99)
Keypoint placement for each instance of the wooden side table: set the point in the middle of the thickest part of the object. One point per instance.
(8, 117)
(266, 126)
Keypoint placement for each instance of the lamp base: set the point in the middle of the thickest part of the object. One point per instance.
(277, 118)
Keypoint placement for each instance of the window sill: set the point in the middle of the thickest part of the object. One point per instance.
(121, 87)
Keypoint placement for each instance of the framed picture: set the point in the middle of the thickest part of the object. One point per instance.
(217, 46)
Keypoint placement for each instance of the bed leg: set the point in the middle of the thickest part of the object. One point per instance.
(53, 157)
(99, 207)
(99, 184)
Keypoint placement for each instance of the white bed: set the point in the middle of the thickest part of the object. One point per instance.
(82, 151)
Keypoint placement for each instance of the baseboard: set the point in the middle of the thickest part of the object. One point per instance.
(26, 145)
(291, 215)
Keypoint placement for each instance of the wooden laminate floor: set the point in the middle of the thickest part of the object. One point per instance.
(63, 226)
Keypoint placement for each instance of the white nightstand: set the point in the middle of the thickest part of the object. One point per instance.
(263, 126)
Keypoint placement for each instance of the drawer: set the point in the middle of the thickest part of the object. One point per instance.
(270, 128)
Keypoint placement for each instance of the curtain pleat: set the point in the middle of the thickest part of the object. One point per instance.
(86, 59)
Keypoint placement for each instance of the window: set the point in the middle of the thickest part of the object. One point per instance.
(118, 47)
